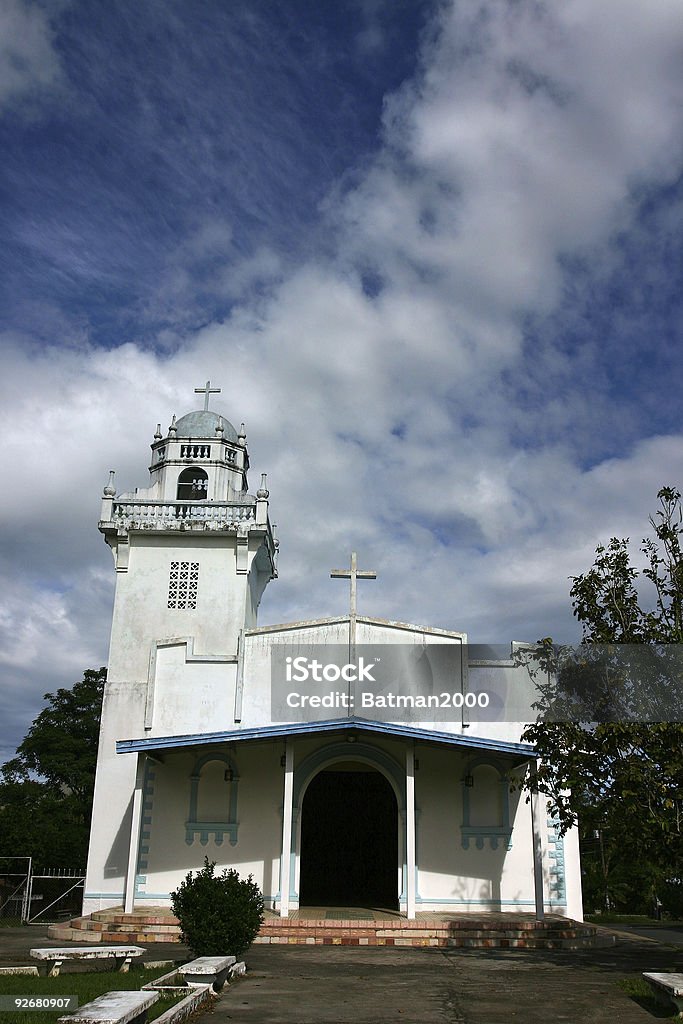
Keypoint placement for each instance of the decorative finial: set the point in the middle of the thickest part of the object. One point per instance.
(242, 436)
(219, 426)
(157, 433)
(172, 429)
(110, 490)
(263, 491)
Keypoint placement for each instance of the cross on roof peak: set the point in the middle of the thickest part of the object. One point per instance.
(206, 391)
(353, 575)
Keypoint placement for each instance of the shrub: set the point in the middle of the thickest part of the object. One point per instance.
(219, 915)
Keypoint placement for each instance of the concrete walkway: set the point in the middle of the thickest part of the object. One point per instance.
(351, 985)
(378, 985)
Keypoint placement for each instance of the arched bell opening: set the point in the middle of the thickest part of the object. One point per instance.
(193, 484)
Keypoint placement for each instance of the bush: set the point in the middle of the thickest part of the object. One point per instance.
(219, 915)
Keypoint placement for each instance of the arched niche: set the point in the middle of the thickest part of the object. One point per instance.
(485, 804)
(213, 800)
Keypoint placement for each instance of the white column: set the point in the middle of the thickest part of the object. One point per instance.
(411, 867)
(134, 841)
(537, 845)
(286, 855)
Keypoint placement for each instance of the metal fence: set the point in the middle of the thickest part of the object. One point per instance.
(15, 875)
(45, 895)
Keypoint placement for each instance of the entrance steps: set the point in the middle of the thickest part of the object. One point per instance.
(155, 924)
(346, 927)
(483, 931)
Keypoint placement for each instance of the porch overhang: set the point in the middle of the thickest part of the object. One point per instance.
(524, 751)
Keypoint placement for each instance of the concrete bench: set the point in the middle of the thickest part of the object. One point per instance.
(53, 958)
(207, 970)
(670, 985)
(113, 1008)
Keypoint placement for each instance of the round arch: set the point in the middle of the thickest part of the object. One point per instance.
(365, 753)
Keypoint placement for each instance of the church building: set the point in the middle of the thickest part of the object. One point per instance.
(254, 746)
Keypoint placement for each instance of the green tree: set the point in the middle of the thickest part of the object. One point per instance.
(46, 791)
(621, 779)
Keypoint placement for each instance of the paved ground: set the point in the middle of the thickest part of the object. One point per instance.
(351, 985)
(672, 936)
(356, 985)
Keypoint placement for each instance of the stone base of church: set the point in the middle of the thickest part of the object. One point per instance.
(351, 927)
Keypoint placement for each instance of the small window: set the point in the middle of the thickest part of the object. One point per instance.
(182, 585)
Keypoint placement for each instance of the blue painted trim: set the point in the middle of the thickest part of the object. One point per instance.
(481, 832)
(217, 829)
(558, 886)
(145, 834)
(276, 896)
(524, 750)
(492, 902)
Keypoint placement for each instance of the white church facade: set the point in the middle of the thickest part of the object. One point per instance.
(334, 807)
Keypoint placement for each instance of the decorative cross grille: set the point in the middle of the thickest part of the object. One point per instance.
(182, 585)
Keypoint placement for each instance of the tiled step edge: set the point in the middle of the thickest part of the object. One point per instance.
(425, 941)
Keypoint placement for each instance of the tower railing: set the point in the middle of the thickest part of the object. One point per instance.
(161, 513)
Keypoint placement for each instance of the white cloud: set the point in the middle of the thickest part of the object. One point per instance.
(518, 142)
(28, 60)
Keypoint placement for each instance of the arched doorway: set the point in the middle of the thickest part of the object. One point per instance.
(349, 839)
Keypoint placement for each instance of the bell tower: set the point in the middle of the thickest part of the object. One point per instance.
(194, 550)
(202, 458)
(193, 554)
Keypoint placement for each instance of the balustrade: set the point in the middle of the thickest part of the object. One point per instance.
(160, 513)
(199, 451)
(195, 451)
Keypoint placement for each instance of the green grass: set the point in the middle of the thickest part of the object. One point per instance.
(87, 986)
(637, 989)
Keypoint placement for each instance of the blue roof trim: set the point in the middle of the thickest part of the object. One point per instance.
(333, 725)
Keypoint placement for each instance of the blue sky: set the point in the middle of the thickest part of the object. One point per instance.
(175, 136)
(431, 252)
